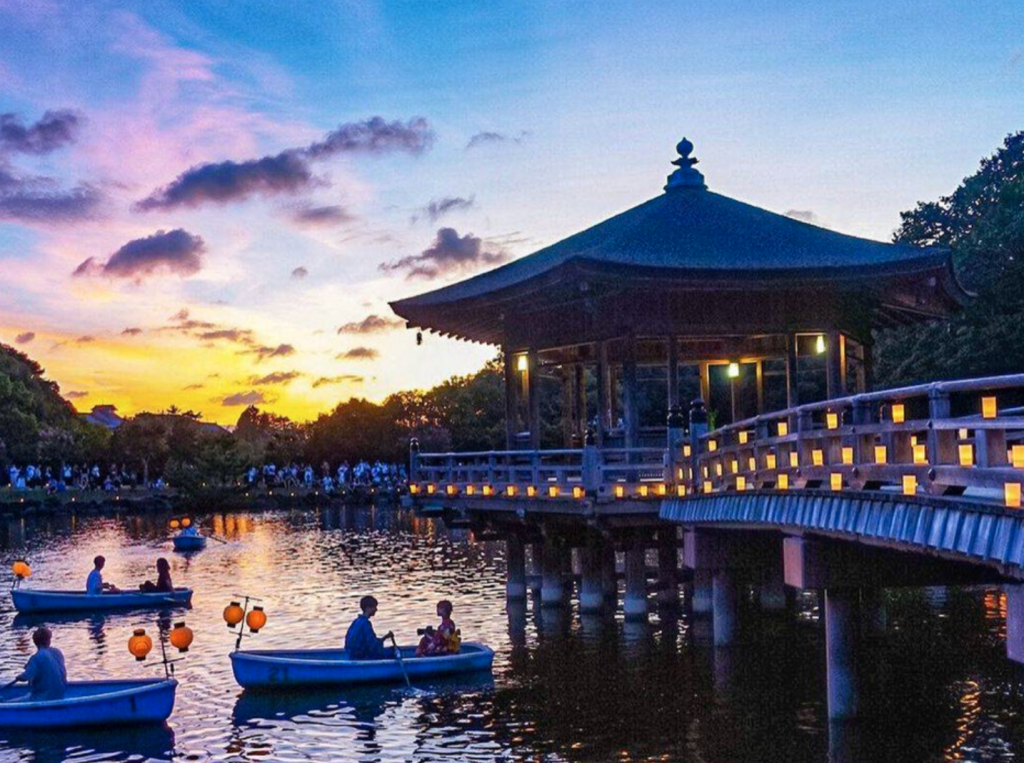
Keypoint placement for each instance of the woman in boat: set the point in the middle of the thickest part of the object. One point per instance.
(446, 639)
(163, 580)
(361, 642)
(428, 644)
(45, 672)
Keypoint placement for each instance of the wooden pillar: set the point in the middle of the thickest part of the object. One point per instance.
(792, 373)
(630, 414)
(835, 383)
(603, 393)
(580, 394)
(760, 387)
(568, 404)
(511, 398)
(705, 383)
(673, 372)
(533, 396)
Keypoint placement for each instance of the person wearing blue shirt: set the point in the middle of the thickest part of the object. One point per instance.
(361, 642)
(45, 671)
(94, 584)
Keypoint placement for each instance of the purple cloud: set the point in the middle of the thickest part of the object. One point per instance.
(277, 377)
(320, 217)
(358, 353)
(371, 324)
(176, 251)
(449, 253)
(131, 331)
(343, 379)
(300, 272)
(38, 200)
(241, 336)
(375, 136)
(264, 351)
(438, 208)
(243, 398)
(54, 130)
(75, 395)
(25, 338)
(484, 138)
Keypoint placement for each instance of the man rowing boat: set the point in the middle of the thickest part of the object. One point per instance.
(45, 672)
(361, 642)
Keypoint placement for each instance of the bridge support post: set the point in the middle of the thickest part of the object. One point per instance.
(725, 596)
(533, 580)
(515, 574)
(635, 604)
(609, 574)
(592, 583)
(842, 628)
(701, 601)
(552, 586)
(668, 568)
(1015, 621)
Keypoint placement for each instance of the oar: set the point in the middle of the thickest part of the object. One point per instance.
(398, 654)
(219, 540)
(7, 686)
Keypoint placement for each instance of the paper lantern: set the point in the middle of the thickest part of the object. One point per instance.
(847, 455)
(21, 569)
(233, 614)
(413, 488)
(966, 452)
(817, 457)
(620, 491)
(769, 460)
(1017, 456)
(909, 484)
(181, 637)
(962, 433)
(661, 489)
(431, 487)
(718, 469)
(988, 408)
(751, 464)
(510, 491)
(920, 455)
(553, 491)
(744, 436)
(175, 524)
(681, 491)
(835, 481)
(531, 491)
(522, 363)
(256, 619)
(186, 522)
(794, 459)
(140, 644)
(644, 491)
(487, 490)
(783, 482)
(741, 483)
(881, 454)
(733, 371)
(470, 489)
(783, 428)
(712, 446)
(1011, 493)
(578, 492)
(687, 451)
(819, 344)
(734, 466)
(708, 487)
(899, 413)
(451, 489)
(832, 420)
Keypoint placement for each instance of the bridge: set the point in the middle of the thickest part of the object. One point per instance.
(904, 487)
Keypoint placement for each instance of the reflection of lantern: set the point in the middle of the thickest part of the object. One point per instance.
(175, 524)
(140, 644)
(256, 619)
(233, 614)
(186, 522)
(181, 637)
(21, 569)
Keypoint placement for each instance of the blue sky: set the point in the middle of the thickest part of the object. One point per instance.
(849, 111)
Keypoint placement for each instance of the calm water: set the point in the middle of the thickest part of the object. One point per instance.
(562, 689)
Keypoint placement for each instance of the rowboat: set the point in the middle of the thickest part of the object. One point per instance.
(189, 542)
(90, 703)
(29, 600)
(282, 668)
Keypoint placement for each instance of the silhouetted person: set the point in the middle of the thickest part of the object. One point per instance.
(45, 671)
(163, 579)
(94, 584)
(361, 642)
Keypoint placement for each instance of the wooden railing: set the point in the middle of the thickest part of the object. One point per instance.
(908, 440)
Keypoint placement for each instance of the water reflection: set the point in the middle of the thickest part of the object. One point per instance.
(566, 686)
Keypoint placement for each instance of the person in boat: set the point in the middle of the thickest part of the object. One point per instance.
(45, 672)
(361, 642)
(94, 585)
(428, 644)
(163, 579)
(446, 637)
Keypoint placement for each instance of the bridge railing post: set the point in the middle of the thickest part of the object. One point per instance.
(941, 442)
(698, 428)
(591, 468)
(676, 429)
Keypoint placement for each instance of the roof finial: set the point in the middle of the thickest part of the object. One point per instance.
(687, 176)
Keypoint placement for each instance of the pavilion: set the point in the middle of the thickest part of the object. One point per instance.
(689, 294)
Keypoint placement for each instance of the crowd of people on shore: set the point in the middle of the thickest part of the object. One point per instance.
(111, 478)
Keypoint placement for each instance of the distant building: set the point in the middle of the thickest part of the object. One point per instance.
(104, 416)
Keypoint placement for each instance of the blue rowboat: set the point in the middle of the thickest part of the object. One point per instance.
(29, 600)
(189, 542)
(90, 703)
(282, 668)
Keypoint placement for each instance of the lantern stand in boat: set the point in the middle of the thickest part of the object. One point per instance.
(21, 570)
(240, 615)
(180, 637)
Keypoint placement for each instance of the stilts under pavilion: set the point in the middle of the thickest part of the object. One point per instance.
(689, 294)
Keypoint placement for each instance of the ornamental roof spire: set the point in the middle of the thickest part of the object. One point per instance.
(687, 176)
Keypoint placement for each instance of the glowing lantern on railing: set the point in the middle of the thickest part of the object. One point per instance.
(661, 489)
(487, 490)
(1017, 456)
(578, 492)
(988, 408)
(431, 487)
(835, 481)
(681, 491)
(620, 491)
(470, 489)
(832, 420)
(909, 484)
(819, 344)
(734, 466)
(413, 488)
(687, 451)
(718, 469)
(531, 491)
(794, 459)
(899, 413)
(712, 446)
(966, 452)
(1011, 495)
(21, 569)
(752, 464)
(553, 491)
(140, 644)
(962, 434)
(741, 483)
(770, 460)
(743, 437)
(783, 429)
(181, 637)
(256, 619)
(451, 489)
(783, 482)
(881, 454)
(233, 614)
(920, 455)
(510, 491)
(708, 487)
(817, 457)
(644, 491)
(847, 455)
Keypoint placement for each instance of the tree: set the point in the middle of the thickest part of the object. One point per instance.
(982, 222)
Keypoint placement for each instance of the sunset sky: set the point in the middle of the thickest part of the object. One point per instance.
(209, 204)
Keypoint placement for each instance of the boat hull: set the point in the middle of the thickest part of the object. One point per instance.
(189, 542)
(91, 703)
(27, 600)
(331, 667)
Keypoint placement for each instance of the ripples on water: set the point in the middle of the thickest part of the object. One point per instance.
(564, 688)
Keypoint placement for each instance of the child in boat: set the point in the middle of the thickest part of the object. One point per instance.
(428, 644)
(446, 639)
(163, 579)
(45, 671)
(361, 642)
(94, 583)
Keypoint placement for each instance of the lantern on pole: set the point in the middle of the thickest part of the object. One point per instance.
(140, 644)
(181, 637)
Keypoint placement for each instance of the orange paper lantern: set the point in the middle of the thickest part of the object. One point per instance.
(256, 619)
(140, 644)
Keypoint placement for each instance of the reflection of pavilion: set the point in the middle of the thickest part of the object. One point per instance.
(689, 294)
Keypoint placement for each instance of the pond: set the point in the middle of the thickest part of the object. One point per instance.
(564, 687)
